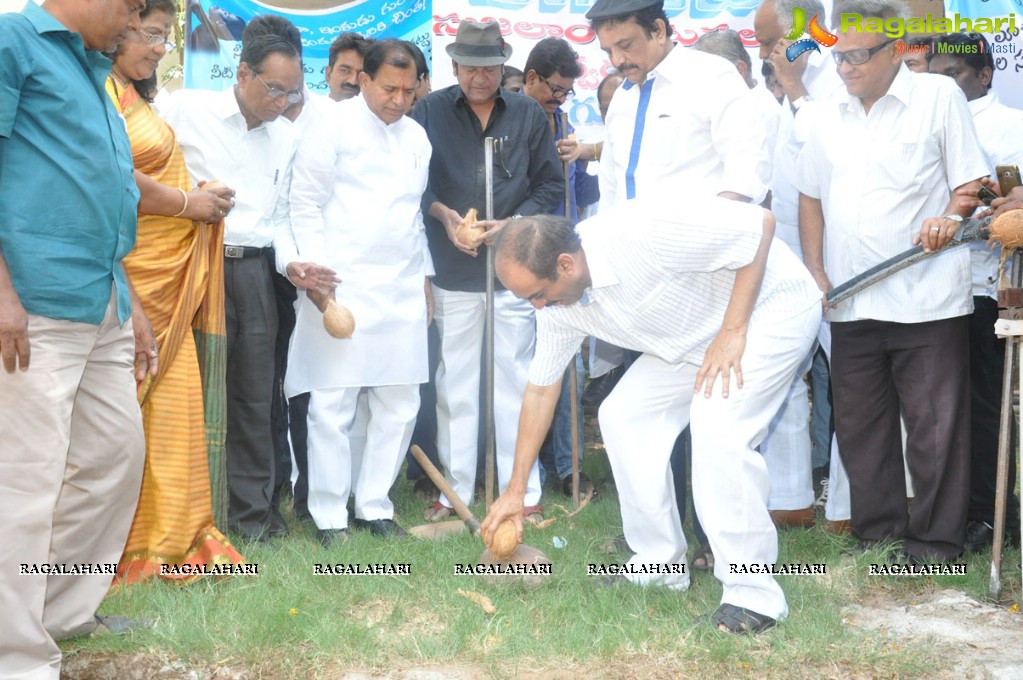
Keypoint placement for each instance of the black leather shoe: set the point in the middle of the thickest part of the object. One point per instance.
(331, 537)
(381, 528)
(980, 536)
(276, 526)
(585, 485)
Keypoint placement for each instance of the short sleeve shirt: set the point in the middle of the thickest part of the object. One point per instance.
(69, 200)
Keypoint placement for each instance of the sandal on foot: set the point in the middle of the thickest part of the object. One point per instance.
(437, 512)
(703, 559)
(731, 619)
(532, 514)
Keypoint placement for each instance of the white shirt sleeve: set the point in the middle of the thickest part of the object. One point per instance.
(312, 184)
(740, 137)
(555, 346)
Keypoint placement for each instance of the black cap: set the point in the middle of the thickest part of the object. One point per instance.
(608, 9)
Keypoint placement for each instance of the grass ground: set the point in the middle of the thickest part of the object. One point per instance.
(288, 623)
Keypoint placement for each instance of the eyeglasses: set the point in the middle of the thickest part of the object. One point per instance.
(557, 92)
(156, 39)
(294, 96)
(860, 56)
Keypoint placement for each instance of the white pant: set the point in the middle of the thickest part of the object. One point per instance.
(642, 417)
(460, 318)
(338, 454)
(787, 447)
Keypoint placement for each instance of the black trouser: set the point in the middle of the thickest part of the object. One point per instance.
(880, 369)
(987, 366)
(251, 315)
(284, 297)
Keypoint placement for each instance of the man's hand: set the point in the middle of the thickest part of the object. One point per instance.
(312, 276)
(493, 228)
(1014, 201)
(789, 73)
(824, 283)
(508, 506)
(936, 232)
(14, 346)
(723, 357)
(209, 205)
(428, 291)
(146, 353)
(568, 149)
(319, 298)
(451, 221)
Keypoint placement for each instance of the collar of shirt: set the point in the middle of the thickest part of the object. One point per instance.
(671, 68)
(980, 104)
(901, 89)
(43, 21)
(226, 107)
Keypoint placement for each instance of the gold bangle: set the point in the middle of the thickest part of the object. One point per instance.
(596, 152)
(185, 206)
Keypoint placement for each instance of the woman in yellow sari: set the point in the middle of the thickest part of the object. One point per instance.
(177, 270)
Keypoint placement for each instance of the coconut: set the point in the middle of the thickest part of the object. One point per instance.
(505, 541)
(338, 320)
(469, 232)
(213, 184)
(1007, 229)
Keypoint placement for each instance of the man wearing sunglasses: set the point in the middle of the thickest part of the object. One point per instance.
(876, 178)
(239, 137)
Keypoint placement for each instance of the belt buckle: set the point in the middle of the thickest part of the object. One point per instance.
(234, 252)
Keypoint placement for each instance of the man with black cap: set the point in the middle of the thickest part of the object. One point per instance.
(680, 122)
(527, 181)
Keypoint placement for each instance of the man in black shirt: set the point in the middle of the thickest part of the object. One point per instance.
(527, 181)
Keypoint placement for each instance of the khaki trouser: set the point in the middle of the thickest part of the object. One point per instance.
(71, 457)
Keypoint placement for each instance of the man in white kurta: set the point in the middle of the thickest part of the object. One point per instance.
(358, 180)
(695, 288)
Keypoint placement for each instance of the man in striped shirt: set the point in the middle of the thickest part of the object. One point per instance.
(701, 294)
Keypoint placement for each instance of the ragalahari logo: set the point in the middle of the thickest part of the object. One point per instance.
(818, 36)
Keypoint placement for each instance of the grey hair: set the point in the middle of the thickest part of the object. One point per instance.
(725, 43)
(869, 9)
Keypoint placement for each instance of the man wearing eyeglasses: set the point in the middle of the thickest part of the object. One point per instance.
(238, 136)
(876, 178)
(528, 180)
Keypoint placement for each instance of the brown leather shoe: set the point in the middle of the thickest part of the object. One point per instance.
(839, 527)
(784, 519)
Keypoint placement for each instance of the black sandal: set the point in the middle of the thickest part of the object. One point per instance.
(731, 619)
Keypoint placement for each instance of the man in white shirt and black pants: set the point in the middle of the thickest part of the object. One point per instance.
(235, 136)
(875, 179)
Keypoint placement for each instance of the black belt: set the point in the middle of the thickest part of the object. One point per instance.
(242, 252)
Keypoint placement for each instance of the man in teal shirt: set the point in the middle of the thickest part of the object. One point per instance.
(71, 432)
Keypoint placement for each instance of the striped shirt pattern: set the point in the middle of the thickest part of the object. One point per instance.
(661, 282)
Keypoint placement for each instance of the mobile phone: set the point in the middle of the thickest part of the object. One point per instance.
(1008, 178)
(986, 195)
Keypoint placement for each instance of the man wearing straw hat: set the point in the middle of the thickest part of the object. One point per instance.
(527, 181)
